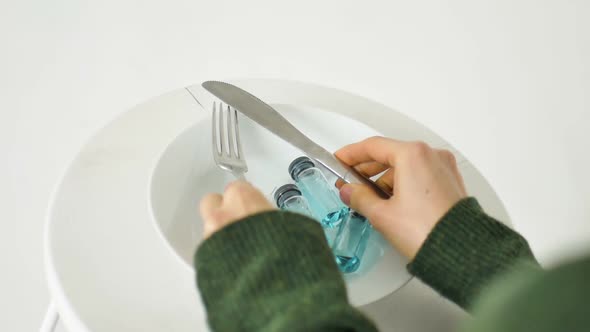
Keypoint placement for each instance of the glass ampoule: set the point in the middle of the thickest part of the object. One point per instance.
(323, 200)
(351, 241)
(288, 197)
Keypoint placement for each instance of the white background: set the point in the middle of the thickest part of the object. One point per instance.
(506, 82)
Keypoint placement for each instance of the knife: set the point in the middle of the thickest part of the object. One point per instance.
(269, 118)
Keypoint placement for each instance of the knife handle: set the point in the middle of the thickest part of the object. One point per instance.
(352, 176)
(342, 170)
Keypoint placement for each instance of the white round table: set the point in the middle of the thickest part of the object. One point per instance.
(109, 268)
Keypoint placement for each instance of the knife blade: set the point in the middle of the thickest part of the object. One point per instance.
(269, 118)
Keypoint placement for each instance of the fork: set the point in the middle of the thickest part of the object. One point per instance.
(227, 148)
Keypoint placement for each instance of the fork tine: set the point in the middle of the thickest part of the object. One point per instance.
(231, 133)
(237, 133)
(214, 130)
(227, 148)
(222, 136)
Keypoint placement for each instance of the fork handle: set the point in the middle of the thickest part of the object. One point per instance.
(239, 175)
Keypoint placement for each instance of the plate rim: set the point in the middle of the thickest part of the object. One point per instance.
(56, 287)
(406, 276)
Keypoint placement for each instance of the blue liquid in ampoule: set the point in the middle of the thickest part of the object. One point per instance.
(324, 202)
(351, 241)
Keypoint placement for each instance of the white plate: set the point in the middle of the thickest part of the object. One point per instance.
(109, 268)
(187, 172)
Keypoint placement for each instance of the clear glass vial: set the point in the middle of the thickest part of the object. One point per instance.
(288, 197)
(324, 202)
(351, 241)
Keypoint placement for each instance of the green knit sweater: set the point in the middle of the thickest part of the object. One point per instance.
(274, 271)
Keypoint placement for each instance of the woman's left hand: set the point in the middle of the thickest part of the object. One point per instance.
(239, 200)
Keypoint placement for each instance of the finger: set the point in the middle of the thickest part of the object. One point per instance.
(459, 178)
(236, 189)
(371, 168)
(385, 181)
(368, 170)
(451, 160)
(461, 181)
(210, 203)
(236, 184)
(362, 199)
(447, 156)
(380, 149)
(244, 195)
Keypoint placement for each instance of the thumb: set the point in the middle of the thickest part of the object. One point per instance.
(361, 198)
(209, 207)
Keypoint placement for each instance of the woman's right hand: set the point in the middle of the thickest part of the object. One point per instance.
(425, 182)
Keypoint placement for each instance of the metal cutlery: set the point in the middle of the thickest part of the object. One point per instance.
(272, 120)
(227, 148)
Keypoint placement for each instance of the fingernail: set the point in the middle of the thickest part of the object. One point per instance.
(345, 193)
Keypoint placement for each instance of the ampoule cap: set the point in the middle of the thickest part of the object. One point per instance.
(285, 192)
(299, 165)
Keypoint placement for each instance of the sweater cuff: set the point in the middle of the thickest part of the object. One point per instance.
(284, 250)
(267, 233)
(465, 250)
